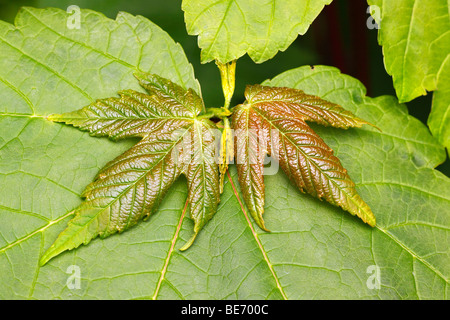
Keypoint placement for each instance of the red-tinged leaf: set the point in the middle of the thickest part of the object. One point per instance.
(294, 103)
(135, 113)
(308, 162)
(130, 187)
(250, 149)
(202, 177)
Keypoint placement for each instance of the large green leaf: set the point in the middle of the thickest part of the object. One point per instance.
(315, 250)
(415, 35)
(439, 119)
(48, 68)
(392, 174)
(228, 29)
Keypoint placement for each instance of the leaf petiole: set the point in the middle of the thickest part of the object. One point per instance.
(227, 76)
(220, 113)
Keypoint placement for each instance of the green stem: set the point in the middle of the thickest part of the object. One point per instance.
(227, 75)
(216, 113)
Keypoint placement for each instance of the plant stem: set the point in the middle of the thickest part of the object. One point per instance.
(216, 113)
(227, 75)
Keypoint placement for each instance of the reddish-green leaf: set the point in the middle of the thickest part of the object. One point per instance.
(294, 103)
(250, 149)
(135, 113)
(130, 187)
(278, 115)
(202, 176)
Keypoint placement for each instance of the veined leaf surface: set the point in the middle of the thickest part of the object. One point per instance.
(314, 251)
(416, 41)
(278, 115)
(229, 29)
(131, 187)
(251, 145)
(439, 119)
(416, 46)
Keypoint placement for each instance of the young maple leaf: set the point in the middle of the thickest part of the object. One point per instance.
(175, 141)
(274, 118)
(130, 187)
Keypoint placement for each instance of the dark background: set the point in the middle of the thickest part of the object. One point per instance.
(339, 37)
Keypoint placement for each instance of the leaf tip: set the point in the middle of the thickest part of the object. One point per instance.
(42, 262)
(372, 125)
(368, 217)
(189, 243)
(46, 257)
(261, 224)
(139, 74)
(372, 221)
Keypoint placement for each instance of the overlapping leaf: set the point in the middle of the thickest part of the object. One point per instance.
(130, 187)
(228, 29)
(313, 252)
(415, 36)
(439, 119)
(272, 120)
(416, 41)
(136, 114)
(202, 176)
(251, 145)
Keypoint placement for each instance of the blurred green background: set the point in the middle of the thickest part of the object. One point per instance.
(339, 37)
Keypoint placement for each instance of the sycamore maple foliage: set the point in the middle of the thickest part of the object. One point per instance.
(314, 250)
(131, 186)
(177, 139)
(303, 155)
